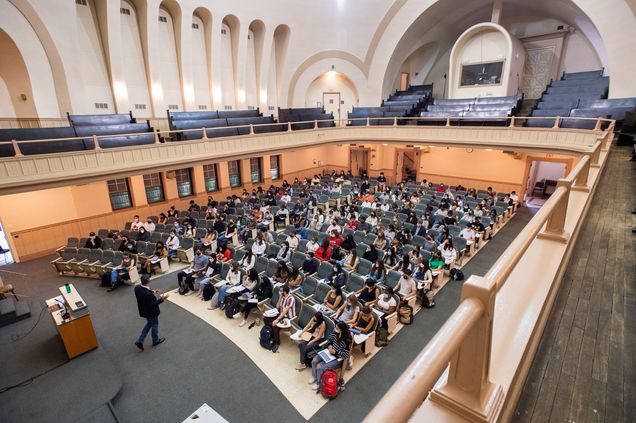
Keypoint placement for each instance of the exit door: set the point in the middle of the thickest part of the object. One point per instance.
(331, 102)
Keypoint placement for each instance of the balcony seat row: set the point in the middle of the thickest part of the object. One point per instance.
(399, 104)
(472, 111)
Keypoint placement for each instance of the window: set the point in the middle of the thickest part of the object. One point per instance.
(234, 169)
(255, 170)
(482, 74)
(154, 187)
(119, 193)
(184, 182)
(211, 179)
(274, 167)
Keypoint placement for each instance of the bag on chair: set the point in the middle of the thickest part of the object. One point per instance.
(405, 314)
(329, 384)
(266, 337)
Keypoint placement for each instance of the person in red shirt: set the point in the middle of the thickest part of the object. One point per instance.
(440, 189)
(323, 253)
(223, 253)
(335, 239)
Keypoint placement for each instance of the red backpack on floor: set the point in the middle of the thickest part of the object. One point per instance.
(329, 383)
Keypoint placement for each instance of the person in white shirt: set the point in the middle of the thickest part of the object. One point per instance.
(233, 278)
(449, 254)
(406, 286)
(248, 261)
(372, 219)
(136, 224)
(285, 198)
(149, 225)
(293, 239)
(385, 207)
(312, 245)
(514, 197)
(259, 246)
(334, 227)
(467, 233)
(173, 243)
(478, 211)
(267, 236)
(386, 304)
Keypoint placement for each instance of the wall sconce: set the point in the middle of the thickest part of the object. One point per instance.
(23, 97)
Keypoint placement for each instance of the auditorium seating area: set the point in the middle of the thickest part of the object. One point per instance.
(471, 111)
(399, 104)
(563, 95)
(306, 115)
(220, 123)
(123, 127)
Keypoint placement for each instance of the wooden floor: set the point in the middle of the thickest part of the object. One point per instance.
(585, 368)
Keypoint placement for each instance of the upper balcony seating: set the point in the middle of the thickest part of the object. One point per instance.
(306, 115)
(399, 104)
(567, 93)
(101, 120)
(615, 108)
(221, 123)
(472, 111)
(25, 134)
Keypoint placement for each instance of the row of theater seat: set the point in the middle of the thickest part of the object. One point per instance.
(399, 104)
(123, 128)
(471, 111)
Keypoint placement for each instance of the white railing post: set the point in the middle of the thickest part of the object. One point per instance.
(557, 121)
(394, 120)
(596, 155)
(368, 123)
(555, 226)
(289, 129)
(16, 148)
(315, 124)
(204, 135)
(96, 145)
(468, 391)
(251, 129)
(512, 122)
(156, 135)
(447, 120)
(580, 182)
(597, 127)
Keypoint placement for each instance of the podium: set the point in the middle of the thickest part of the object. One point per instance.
(73, 321)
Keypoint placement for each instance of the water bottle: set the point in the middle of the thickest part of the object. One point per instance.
(68, 288)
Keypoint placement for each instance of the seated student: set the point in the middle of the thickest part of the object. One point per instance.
(316, 328)
(292, 240)
(370, 254)
(378, 272)
(369, 292)
(247, 261)
(423, 274)
(93, 241)
(223, 253)
(282, 273)
(332, 301)
(468, 234)
(127, 246)
(281, 215)
(160, 252)
(310, 265)
(337, 256)
(172, 212)
(386, 304)
(295, 279)
(339, 346)
(405, 264)
(449, 253)
(323, 253)
(286, 310)
(284, 254)
(233, 278)
(197, 268)
(351, 261)
(348, 312)
(143, 235)
(259, 246)
(163, 219)
(172, 243)
(334, 227)
(149, 225)
(348, 243)
(392, 259)
(120, 272)
(334, 239)
(478, 226)
(312, 246)
(337, 278)
(136, 224)
(365, 322)
(436, 261)
(208, 239)
(406, 286)
(262, 291)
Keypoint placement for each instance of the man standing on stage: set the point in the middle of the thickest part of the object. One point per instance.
(148, 305)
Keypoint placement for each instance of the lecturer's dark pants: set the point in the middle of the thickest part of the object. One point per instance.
(152, 325)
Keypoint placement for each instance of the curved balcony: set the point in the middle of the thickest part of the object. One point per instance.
(25, 173)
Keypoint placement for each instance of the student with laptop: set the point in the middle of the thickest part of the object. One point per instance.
(337, 350)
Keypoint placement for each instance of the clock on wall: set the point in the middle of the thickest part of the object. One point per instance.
(469, 150)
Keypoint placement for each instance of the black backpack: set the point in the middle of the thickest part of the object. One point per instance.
(183, 288)
(105, 280)
(458, 275)
(208, 291)
(266, 338)
(231, 307)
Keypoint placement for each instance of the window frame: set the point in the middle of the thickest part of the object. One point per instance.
(159, 185)
(236, 175)
(258, 161)
(207, 179)
(116, 182)
(277, 167)
(178, 173)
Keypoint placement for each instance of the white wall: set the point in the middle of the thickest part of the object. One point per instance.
(332, 82)
(227, 68)
(134, 71)
(578, 54)
(6, 104)
(251, 97)
(168, 65)
(91, 63)
(200, 72)
(545, 170)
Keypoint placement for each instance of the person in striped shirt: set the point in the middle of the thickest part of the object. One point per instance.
(286, 310)
(339, 346)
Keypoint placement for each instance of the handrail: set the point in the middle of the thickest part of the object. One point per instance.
(316, 127)
(419, 378)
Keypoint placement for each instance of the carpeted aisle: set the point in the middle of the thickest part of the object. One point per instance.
(197, 363)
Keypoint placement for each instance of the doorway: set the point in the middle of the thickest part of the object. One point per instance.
(542, 180)
(404, 81)
(331, 102)
(5, 249)
(358, 160)
(407, 161)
